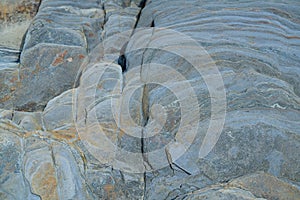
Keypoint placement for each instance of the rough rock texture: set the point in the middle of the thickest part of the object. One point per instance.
(15, 17)
(253, 186)
(126, 99)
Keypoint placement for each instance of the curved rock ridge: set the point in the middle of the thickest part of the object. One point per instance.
(157, 99)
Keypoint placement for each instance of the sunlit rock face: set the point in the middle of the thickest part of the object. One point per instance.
(155, 99)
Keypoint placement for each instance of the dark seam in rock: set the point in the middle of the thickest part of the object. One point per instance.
(182, 169)
(104, 20)
(152, 24)
(142, 6)
(122, 62)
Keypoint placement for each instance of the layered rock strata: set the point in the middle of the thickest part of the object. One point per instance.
(121, 99)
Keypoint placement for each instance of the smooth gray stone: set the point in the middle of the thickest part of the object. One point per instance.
(28, 121)
(58, 113)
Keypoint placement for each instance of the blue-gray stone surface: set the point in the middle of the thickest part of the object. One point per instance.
(154, 99)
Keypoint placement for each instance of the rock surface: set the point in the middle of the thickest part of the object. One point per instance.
(131, 99)
(15, 17)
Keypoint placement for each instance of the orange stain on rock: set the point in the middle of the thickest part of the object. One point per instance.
(109, 189)
(81, 56)
(14, 79)
(67, 135)
(5, 98)
(60, 58)
(44, 182)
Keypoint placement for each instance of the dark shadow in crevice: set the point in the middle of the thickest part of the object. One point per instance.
(142, 4)
(122, 63)
(152, 24)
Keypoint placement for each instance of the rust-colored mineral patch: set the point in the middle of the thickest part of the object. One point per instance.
(81, 56)
(45, 183)
(60, 58)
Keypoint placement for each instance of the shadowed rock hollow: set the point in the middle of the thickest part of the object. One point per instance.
(155, 99)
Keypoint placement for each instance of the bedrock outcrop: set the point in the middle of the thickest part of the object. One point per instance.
(157, 99)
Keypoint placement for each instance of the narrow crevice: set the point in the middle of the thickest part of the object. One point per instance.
(22, 44)
(12, 115)
(122, 57)
(122, 62)
(145, 106)
(182, 169)
(145, 185)
(104, 19)
(145, 119)
(144, 122)
(152, 24)
(142, 6)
